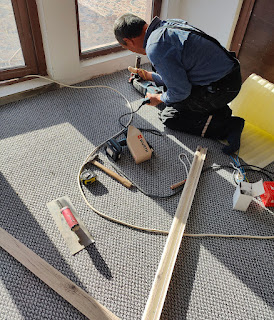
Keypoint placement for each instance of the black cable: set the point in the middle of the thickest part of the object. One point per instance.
(262, 172)
(145, 101)
(152, 131)
(251, 165)
(158, 196)
(218, 167)
(144, 192)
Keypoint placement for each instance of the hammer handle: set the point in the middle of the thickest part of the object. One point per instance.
(113, 174)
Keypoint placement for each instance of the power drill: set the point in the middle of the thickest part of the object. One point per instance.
(143, 86)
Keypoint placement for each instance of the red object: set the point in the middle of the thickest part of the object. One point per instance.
(268, 196)
(69, 217)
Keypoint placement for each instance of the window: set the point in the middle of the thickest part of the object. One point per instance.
(21, 42)
(11, 51)
(95, 20)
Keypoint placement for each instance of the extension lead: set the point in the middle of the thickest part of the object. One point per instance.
(114, 136)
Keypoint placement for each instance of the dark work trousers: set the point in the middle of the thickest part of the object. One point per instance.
(191, 114)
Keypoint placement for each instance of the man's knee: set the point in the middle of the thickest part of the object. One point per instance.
(173, 124)
(182, 122)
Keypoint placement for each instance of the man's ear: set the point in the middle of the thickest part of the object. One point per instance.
(128, 41)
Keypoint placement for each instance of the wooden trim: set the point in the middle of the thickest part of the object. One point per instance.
(156, 10)
(7, 74)
(101, 52)
(12, 81)
(241, 25)
(76, 296)
(24, 32)
(37, 37)
(157, 6)
(26, 17)
(161, 282)
(78, 27)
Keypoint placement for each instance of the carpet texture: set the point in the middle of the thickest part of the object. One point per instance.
(44, 141)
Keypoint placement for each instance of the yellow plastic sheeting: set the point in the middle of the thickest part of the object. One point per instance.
(255, 103)
(257, 146)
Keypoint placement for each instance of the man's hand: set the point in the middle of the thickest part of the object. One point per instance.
(155, 98)
(145, 75)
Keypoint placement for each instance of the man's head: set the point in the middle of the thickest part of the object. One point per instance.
(130, 31)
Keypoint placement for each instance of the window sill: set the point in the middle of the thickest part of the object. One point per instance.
(26, 89)
(114, 57)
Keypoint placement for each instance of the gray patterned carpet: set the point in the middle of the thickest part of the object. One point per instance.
(44, 141)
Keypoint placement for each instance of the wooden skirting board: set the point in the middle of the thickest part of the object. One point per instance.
(161, 282)
(76, 296)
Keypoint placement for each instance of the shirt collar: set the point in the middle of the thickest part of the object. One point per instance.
(153, 25)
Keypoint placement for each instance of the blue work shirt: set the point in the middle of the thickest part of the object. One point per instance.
(183, 59)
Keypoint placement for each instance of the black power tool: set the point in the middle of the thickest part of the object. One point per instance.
(113, 148)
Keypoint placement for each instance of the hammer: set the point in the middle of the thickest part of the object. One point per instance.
(111, 173)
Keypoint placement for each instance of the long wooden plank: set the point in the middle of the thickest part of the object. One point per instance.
(161, 282)
(76, 296)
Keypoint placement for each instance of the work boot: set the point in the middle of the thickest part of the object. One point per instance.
(236, 126)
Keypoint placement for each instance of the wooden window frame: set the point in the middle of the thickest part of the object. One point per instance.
(27, 22)
(156, 10)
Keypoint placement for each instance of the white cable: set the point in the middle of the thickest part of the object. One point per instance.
(180, 158)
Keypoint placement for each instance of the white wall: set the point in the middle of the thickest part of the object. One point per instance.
(59, 33)
(218, 18)
(171, 9)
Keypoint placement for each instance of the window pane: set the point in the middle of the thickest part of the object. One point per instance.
(11, 53)
(96, 18)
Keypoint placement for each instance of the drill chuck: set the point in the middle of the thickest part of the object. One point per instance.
(138, 62)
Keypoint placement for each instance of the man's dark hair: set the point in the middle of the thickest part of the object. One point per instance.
(128, 26)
